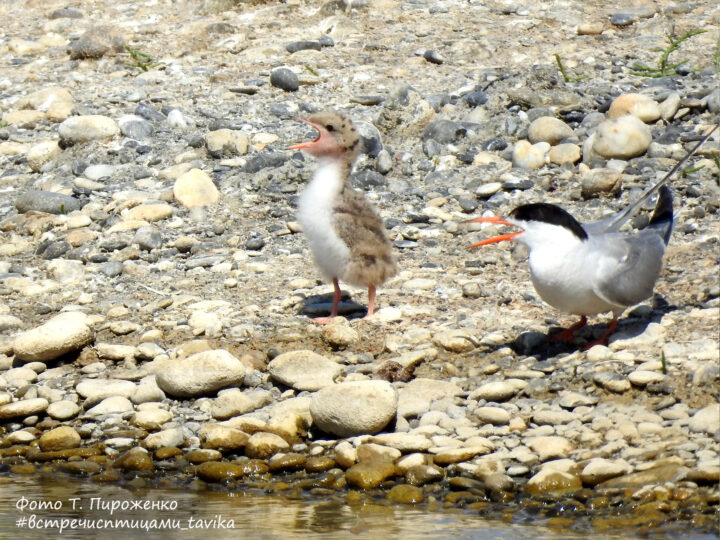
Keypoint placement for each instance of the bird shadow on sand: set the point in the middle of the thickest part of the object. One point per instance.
(631, 326)
(320, 305)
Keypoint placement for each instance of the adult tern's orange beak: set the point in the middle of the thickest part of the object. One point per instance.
(498, 221)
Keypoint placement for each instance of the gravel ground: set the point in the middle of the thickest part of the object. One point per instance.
(155, 286)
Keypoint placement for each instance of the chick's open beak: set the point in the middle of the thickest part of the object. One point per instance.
(300, 146)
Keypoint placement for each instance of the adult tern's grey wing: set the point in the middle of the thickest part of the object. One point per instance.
(613, 223)
(628, 266)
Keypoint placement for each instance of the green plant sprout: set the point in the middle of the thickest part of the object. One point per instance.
(564, 73)
(716, 56)
(141, 60)
(687, 172)
(665, 69)
(311, 70)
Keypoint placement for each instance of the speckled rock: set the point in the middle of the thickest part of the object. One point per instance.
(83, 129)
(622, 137)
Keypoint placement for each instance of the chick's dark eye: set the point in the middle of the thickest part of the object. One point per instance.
(330, 127)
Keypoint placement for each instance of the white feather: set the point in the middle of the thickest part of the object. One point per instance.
(315, 212)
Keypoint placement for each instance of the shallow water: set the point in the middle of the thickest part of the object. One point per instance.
(101, 511)
(253, 516)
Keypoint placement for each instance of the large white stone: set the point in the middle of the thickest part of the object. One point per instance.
(201, 373)
(62, 334)
(354, 408)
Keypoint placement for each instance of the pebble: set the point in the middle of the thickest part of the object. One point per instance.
(84, 129)
(285, 79)
(47, 201)
(622, 137)
(263, 445)
(599, 469)
(23, 408)
(553, 482)
(564, 153)
(172, 437)
(222, 437)
(706, 420)
(638, 105)
(63, 410)
(64, 333)
(225, 143)
(601, 181)
(201, 373)
(549, 129)
(354, 408)
(135, 459)
(497, 391)
(135, 127)
(415, 398)
(530, 156)
(94, 390)
(492, 415)
(111, 405)
(42, 153)
(550, 447)
(304, 370)
(61, 438)
(195, 188)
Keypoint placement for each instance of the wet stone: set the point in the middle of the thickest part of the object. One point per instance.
(203, 455)
(369, 474)
(135, 459)
(405, 494)
(215, 471)
(286, 462)
(61, 438)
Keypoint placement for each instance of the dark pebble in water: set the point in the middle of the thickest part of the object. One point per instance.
(285, 79)
(622, 19)
(433, 57)
(305, 45)
(368, 178)
(48, 202)
(148, 113)
(55, 250)
(327, 41)
(256, 243)
(263, 161)
(475, 98)
(443, 131)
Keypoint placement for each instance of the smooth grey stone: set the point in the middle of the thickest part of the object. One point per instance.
(256, 243)
(372, 140)
(285, 79)
(136, 128)
(304, 45)
(443, 131)
(148, 238)
(47, 201)
(112, 268)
